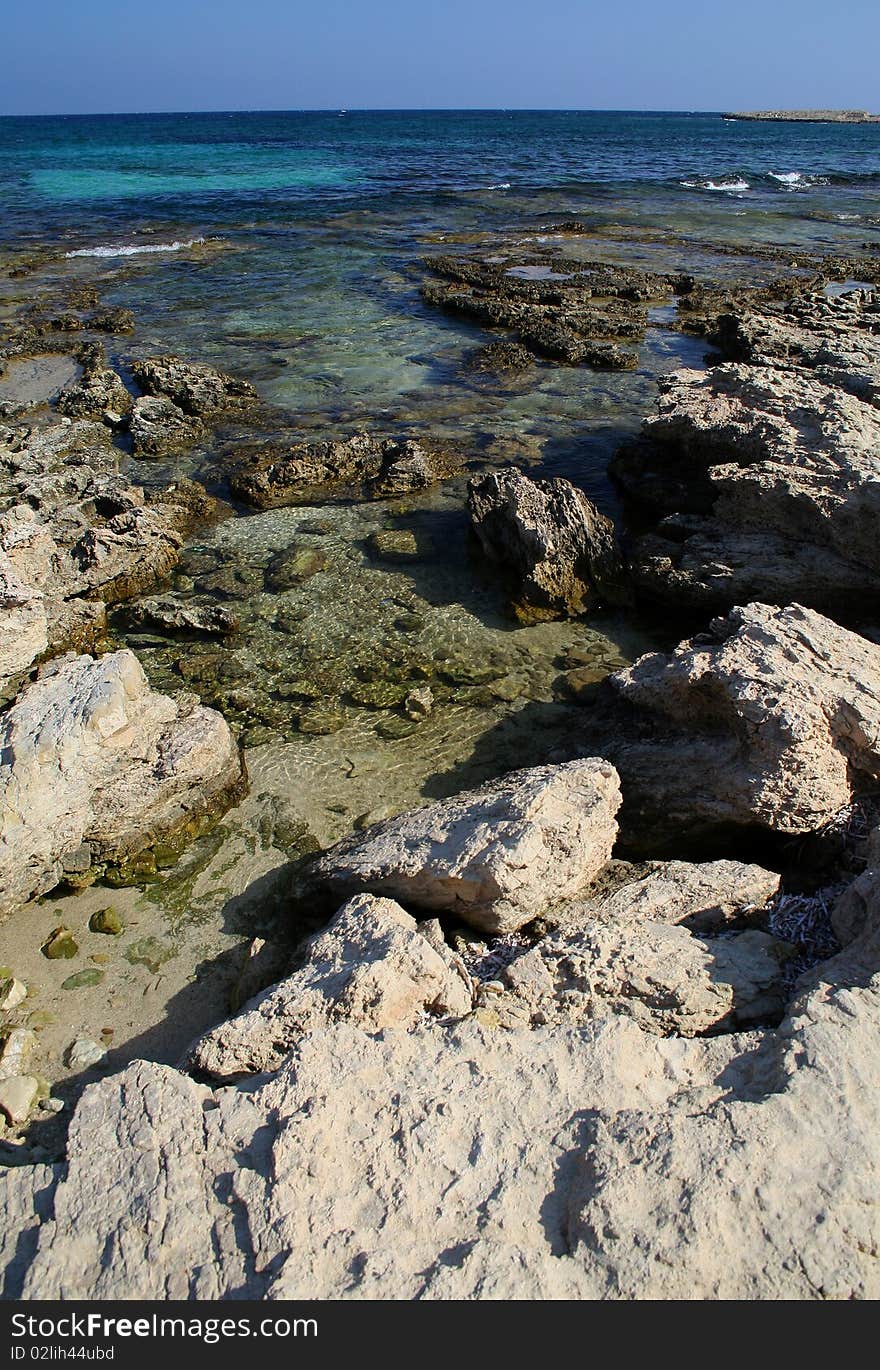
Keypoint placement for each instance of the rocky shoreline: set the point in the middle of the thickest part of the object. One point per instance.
(566, 1033)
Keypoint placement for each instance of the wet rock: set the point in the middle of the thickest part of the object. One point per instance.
(501, 358)
(158, 426)
(319, 722)
(183, 616)
(559, 551)
(60, 944)
(292, 566)
(195, 388)
(378, 467)
(495, 857)
(395, 544)
(106, 921)
(771, 719)
(100, 391)
(18, 1097)
(91, 754)
(371, 966)
(111, 320)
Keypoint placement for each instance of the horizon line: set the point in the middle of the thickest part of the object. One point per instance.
(360, 109)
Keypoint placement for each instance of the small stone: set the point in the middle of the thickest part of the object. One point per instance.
(12, 991)
(581, 682)
(394, 728)
(106, 921)
(418, 703)
(100, 958)
(18, 1095)
(54, 1105)
(15, 1050)
(409, 623)
(83, 979)
(84, 1052)
(60, 945)
(292, 566)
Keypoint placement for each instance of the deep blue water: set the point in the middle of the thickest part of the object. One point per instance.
(91, 175)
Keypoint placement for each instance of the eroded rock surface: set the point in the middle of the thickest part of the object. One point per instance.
(371, 966)
(95, 763)
(195, 388)
(379, 468)
(496, 856)
(558, 550)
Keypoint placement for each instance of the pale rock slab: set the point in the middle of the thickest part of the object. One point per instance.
(91, 755)
(370, 966)
(494, 857)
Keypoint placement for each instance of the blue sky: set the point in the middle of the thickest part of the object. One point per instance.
(97, 56)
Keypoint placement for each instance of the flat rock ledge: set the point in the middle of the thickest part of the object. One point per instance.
(558, 550)
(595, 1160)
(96, 767)
(496, 856)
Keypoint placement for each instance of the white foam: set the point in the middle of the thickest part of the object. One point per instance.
(736, 187)
(123, 250)
(788, 178)
(502, 185)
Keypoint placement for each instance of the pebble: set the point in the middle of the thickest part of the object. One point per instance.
(60, 945)
(12, 992)
(18, 1095)
(84, 1052)
(15, 1051)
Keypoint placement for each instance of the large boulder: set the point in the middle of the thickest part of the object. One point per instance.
(94, 762)
(771, 719)
(557, 549)
(495, 857)
(371, 966)
(776, 470)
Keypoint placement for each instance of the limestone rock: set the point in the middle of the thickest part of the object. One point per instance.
(496, 856)
(380, 467)
(772, 718)
(183, 616)
(18, 1094)
(158, 425)
(370, 966)
(666, 979)
(100, 390)
(195, 388)
(704, 897)
(90, 754)
(558, 550)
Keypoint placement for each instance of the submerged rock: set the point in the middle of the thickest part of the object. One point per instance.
(380, 467)
(558, 550)
(91, 755)
(495, 857)
(370, 966)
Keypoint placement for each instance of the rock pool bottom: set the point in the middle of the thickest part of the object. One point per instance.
(356, 629)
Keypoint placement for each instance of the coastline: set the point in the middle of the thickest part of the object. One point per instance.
(680, 884)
